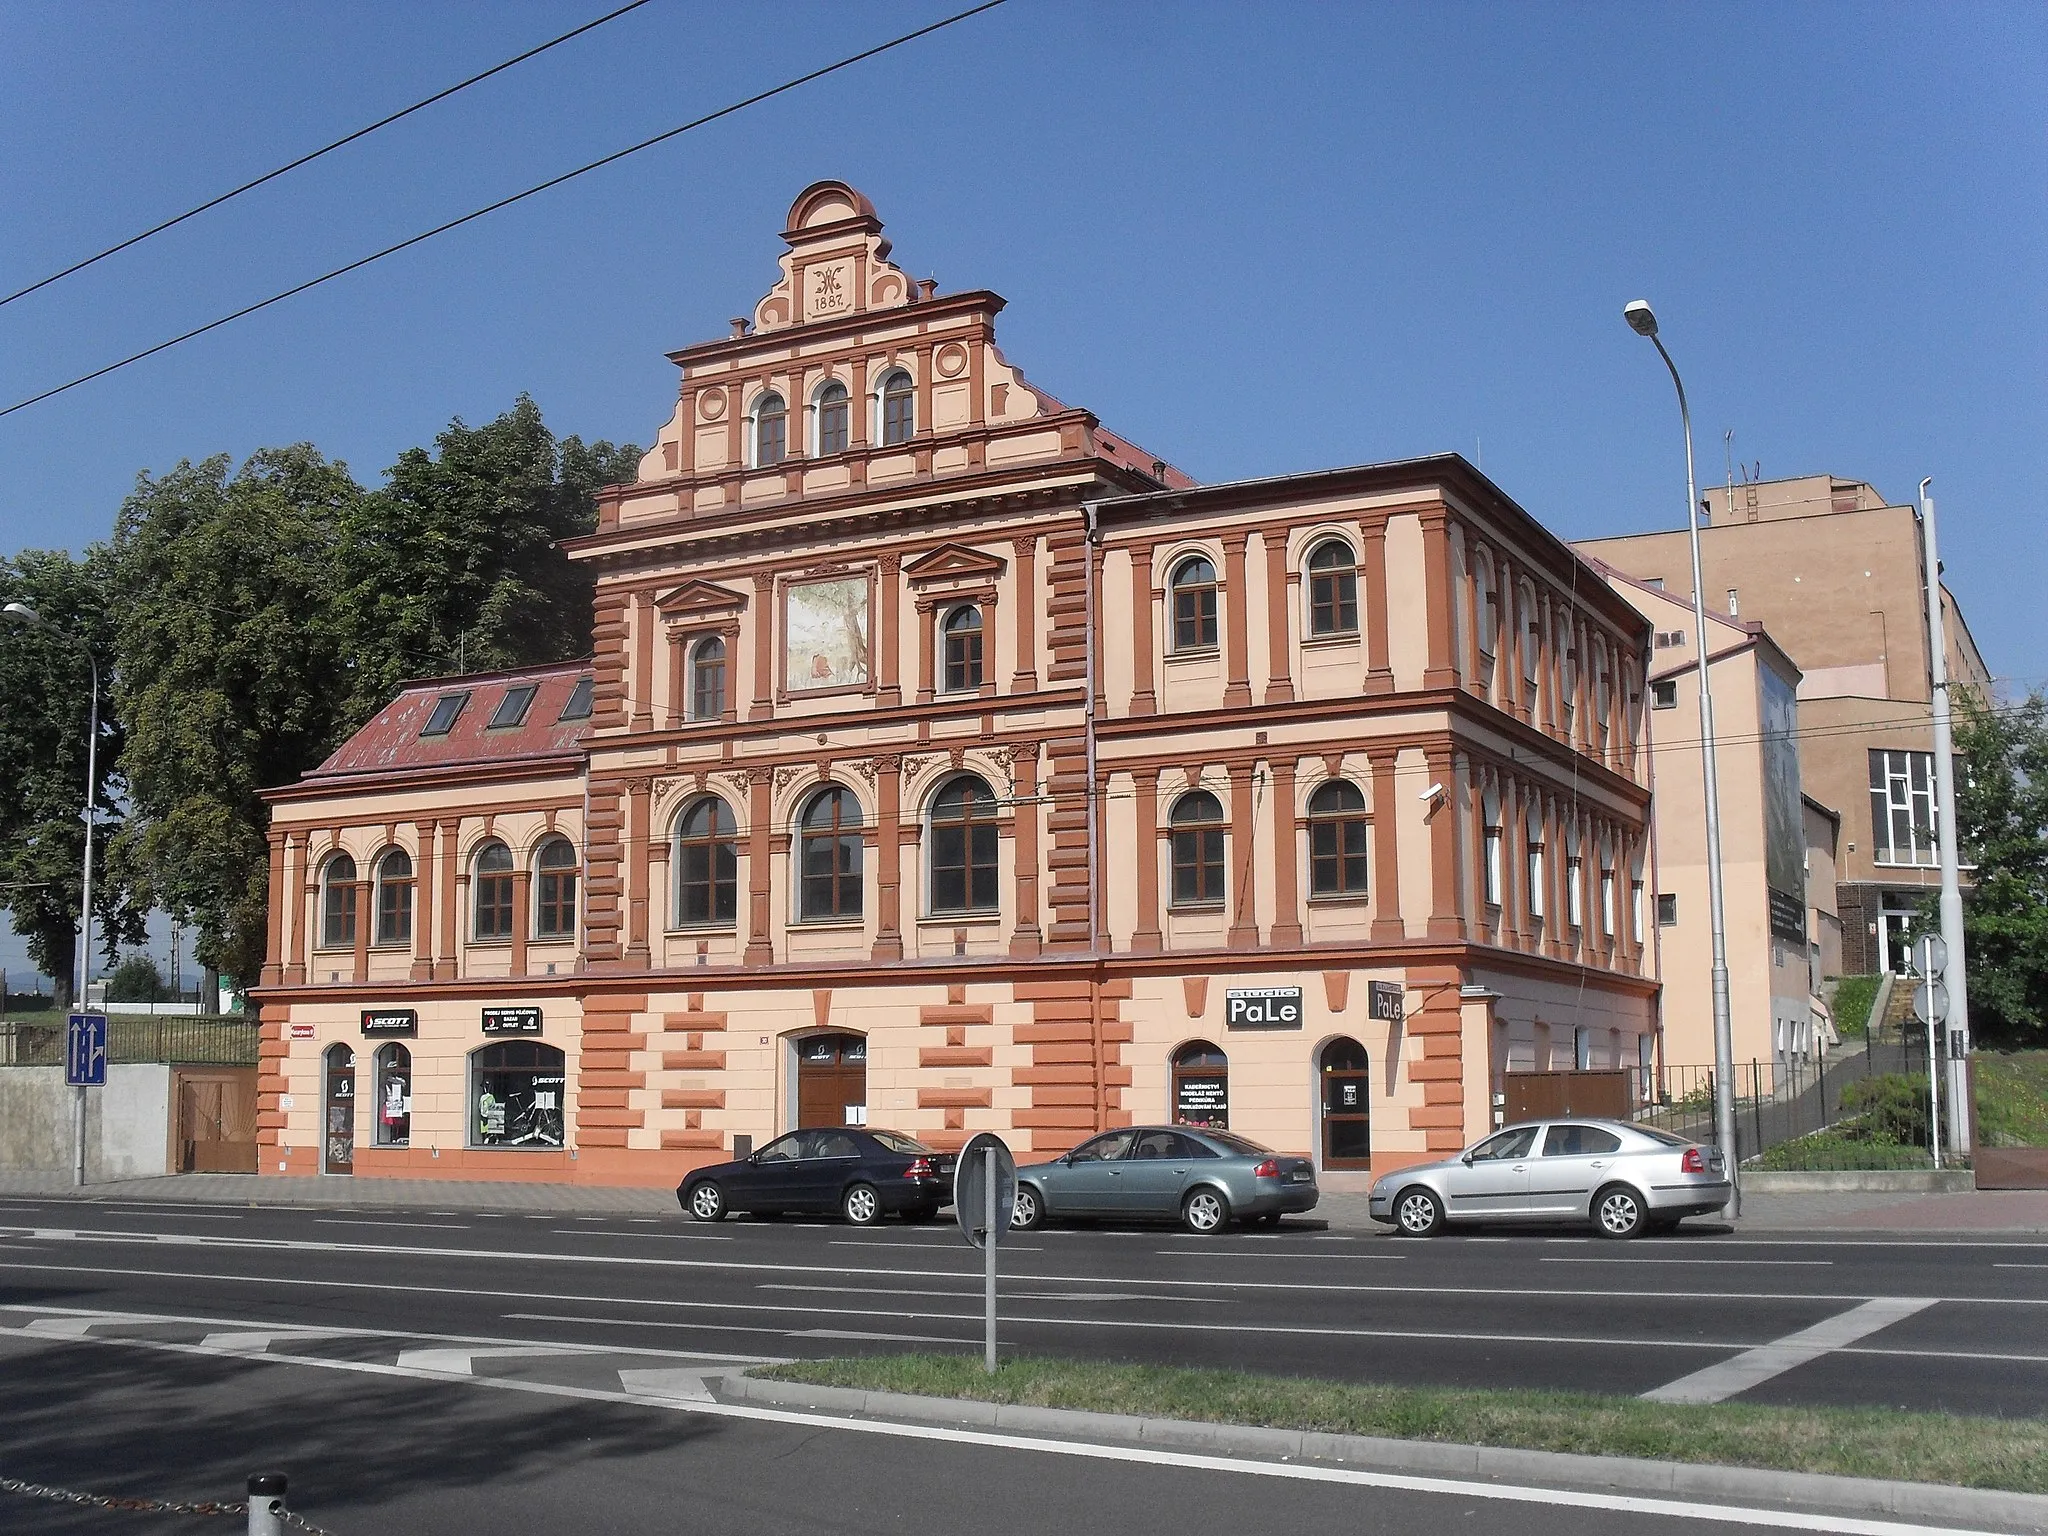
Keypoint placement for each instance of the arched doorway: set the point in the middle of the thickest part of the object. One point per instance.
(1346, 1082)
(1201, 1086)
(831, 1080)
(338, 1113)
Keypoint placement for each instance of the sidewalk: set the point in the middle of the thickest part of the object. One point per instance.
(2006, 1212)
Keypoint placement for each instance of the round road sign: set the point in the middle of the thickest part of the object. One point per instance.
(970, 1187)
(1930, 955)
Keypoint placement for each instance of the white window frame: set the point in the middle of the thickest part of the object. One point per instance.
(1899, 793)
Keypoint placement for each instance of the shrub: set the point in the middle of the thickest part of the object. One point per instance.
(1891, 1107)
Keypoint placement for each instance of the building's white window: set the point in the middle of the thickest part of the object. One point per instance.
(1574, 891)
(1582, 1048)
(1635, 910)
(1734, 603)
(1490, 870)
(1607, 902)
(1664, 695)
(1902, 808)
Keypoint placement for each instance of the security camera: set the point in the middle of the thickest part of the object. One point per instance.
(1435, 791)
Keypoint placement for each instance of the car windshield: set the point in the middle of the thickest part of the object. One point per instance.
(1238, 1144)
(1656, 1134)
(901, 1144)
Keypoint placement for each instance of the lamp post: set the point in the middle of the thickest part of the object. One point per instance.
(1643, 321)
(22, 613)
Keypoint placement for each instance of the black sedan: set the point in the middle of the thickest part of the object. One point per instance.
(864, 1175)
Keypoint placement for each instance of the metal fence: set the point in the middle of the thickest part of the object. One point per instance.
(214, 1040)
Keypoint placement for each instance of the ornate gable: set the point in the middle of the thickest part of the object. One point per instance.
(837, 262)
(698, 600)
(954, 562)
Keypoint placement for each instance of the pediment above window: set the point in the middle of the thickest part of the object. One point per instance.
(954, 562)
(699, 599)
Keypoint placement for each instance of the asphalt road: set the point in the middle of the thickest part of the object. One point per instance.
(429, 1371)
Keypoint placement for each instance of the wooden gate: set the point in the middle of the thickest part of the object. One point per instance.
(216, 1119)
(1542, 1095)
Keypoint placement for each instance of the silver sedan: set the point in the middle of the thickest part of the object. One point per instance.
(1623, 1178)
(1205, 1178)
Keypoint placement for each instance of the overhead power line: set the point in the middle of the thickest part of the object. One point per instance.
(325, 149)
(506, 202)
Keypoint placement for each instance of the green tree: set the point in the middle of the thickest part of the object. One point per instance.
(453, 564)
(45, 707)
(232, 676)
(2002, 825)
(136, 980)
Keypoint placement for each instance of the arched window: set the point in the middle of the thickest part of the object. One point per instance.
(898, 408)
(492, 883)
(394, 898)
(1332, 589)
(1490, 871)
(1488, 604)
(707, 865)
(1337, 837)
(1531, 636)
(555, 889)
(1201, 1086)
(832, 418)
(1197, 823)
(962, 633)
(338, 902)
(516, 1090)
(707, 678)
(771, 430)
(1574, 882)
(394, 1095)
(338, 1144)
(1193, 592)
(963, 847)
(1535, 864)
(829, 850)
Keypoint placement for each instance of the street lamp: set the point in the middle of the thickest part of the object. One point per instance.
(22, 613)
(1643, 321)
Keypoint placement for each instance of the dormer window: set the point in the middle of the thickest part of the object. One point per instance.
(771, 430)
(832, 419)
(446, 708)
(512, 708)
(899, 410)
(578, 707)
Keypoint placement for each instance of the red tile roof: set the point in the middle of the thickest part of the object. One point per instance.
(392, 740)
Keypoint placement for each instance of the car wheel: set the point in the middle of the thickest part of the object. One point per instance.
(1205, 1211)
(1418, 1213)
(707, 1202)
(1029, 1210)
(861, 1206)
(1618, 1212)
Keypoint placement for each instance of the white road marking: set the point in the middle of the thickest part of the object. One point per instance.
(873, 1338)
(1717, 1383)
(1255, 1253)
(685, 1237)
(256, 1341)
(1307, 1472)
(462, 1362)
(355, 1221)
(1745, 1263)
(670, 1385)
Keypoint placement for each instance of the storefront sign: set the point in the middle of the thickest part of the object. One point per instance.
(390, 1021)
(511, 1021)
(1385, 1000)
(1262, 1008)
(302, 1031)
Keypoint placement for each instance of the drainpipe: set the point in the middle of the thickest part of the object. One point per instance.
(1094, 817)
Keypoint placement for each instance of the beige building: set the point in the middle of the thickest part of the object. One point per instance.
(1835, 574)
(1777, 844)
(948, 763)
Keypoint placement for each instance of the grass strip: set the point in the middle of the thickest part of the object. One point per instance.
(2010, 1454)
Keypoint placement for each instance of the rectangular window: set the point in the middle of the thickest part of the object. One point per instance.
(512, 708)
(578, 707)
(1582, 1048)
(494, 907)
(394, 910)
(1664, 695)
(1635, 910)
(1902, 808)
(1607, 902)
(1667, 911)
(1535, 879)
(556, 917)
(1574, 892)
(709, 891)
(446, 709)
(1734, 603)
(1492, 870)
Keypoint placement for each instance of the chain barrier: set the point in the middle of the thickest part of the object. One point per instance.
(147, 1506)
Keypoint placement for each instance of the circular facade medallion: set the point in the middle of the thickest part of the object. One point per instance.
(711, 404)
(951, 360)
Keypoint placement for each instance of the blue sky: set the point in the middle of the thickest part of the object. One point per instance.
(1255, 238)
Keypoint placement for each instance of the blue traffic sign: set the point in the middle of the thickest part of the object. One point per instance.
(85, 1051)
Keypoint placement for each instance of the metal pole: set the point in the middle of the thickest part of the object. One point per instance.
(1933, 1060)
(1724, 1031)
(1957, 1020)
(988, 1257)
(92, 784)
(266, 1504)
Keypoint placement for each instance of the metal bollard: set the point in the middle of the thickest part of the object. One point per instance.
(266, 1504)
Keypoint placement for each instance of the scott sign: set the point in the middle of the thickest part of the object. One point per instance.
(1262, 1008)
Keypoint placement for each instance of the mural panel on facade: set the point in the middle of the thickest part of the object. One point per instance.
(1784, 826)
(825, 634)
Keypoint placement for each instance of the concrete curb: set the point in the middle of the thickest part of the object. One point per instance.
(1836, 1495)
(1864, 1181)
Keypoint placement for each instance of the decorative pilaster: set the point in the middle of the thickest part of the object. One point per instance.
(449, 966)
(423, 904)
(273, 968)
(297, 892)
(1388, 927)
(1286, 882)
(1444, 921)
(522, 896)
(1025, 941)
(1236, 621)
(760, 809)
(888, 686)
(764, 647)
(889, 871)
(639, 822)
(1379, 671)
(641, 691)
(1279, 653)
(1025, 587)
(1243, 889)
(1142, 698)
(1436, 574)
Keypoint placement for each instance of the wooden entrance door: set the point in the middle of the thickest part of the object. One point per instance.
(831, 1081)
(338, 1113)
(1347, 1120)
(216, 1119)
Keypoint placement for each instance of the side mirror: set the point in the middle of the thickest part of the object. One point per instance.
(1466, 1159)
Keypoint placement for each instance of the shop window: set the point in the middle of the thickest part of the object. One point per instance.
(771, 431)
(513, 706)
(1332, 589)
(1192, 592)
(446, 709)
(1347, 1097)
(515, 1093)
(962, 634)
(394, 898)
(829, 852)
(556, 869)
(578, 707)
(338, 1144)
(338, 902)
(707, 865)
(832, 419)
(493, 891)
(963, 848)
(1337, 837)
(898, 408)
(707, 678)
(1197, 840)
(394, 1095)
(1201, 1086)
